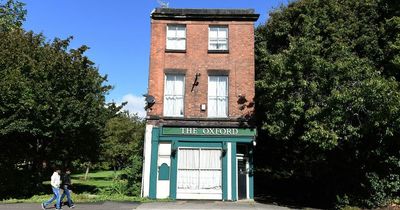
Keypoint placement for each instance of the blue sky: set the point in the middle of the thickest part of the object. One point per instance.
(118, 34)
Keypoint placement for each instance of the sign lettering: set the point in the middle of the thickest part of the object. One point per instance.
(209, 131)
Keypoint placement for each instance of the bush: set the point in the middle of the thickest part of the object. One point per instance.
(129, 181)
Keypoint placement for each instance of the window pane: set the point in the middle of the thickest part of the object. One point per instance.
(178, 107)
(213, 33)
(223, 47)
(168, 103)
(180, 44)
(179, 85)
(222, 107)
(180, 32)
(210, 159)
(223, 33)
(188, 179)
(169, 85)
(212, 86)
(210, 179)
(171, 31)
(188, 158)
(222, 86)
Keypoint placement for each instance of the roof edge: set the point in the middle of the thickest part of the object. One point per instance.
(204, 14)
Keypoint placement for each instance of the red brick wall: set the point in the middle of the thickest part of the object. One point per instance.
(239, 62)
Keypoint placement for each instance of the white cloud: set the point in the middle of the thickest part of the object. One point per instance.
(135, 104)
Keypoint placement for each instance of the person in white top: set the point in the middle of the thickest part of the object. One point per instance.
(55, 186)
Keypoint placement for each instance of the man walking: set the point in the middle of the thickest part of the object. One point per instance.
(66, 186)
(55, 186)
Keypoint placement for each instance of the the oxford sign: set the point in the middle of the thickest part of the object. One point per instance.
(208, 131)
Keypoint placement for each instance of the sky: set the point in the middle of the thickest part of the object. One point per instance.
(118, 34)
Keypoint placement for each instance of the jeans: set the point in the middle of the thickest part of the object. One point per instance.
(66, 193)
(56, 196)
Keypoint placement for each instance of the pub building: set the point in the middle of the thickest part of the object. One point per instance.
(199, 140)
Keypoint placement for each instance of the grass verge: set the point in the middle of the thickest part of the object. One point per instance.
(79, 198)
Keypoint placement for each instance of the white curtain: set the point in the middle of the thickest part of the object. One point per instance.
(199, 169)
(210, 169)
(188, 169)
(173, 95)
(218, 96)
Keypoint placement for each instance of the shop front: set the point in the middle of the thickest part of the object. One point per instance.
(198, 163)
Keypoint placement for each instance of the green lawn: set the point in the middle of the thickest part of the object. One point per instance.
(99, 179)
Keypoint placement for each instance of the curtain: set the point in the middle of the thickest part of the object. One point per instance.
(218, 96)
(188, 165)
(199, 169)
(173, 95)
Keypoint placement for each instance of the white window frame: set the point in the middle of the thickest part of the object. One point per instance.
(218, 39)
(174, 39)
(183, 95)
(217, 115)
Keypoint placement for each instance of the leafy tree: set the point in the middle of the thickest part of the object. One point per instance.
(123, 139)
(12, 14)
(52, 108)
(328, 98)
(122, 148)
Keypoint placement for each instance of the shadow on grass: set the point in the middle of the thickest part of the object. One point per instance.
(76, 188)
(95, 178)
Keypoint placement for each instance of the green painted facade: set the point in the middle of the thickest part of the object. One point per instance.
(177, 139)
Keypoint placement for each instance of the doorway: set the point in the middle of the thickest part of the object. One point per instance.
(242, 178)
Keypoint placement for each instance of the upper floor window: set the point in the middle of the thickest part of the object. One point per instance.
(176, 37)
(218, 96)
(218, 38)
(174, 95)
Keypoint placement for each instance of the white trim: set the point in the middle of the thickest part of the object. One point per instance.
(166, 36)
(164, 156)
(146, 161)
(199, 196)
(227, 36)
(229, 170)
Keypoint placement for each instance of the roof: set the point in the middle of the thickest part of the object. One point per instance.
(204, 14)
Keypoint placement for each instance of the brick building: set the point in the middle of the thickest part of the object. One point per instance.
(199, 141)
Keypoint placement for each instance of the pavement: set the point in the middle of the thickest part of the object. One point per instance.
(174, 205)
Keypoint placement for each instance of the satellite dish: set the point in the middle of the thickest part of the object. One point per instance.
(150, 101)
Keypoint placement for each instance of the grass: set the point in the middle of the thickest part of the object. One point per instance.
(84, 190)
(79, 198)
(99, 179)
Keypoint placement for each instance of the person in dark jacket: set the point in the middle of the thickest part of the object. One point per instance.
(66, 186)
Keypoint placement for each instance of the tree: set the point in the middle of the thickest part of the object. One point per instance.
(328, 97)
(123, 139)
(12, 15)
(52, 108)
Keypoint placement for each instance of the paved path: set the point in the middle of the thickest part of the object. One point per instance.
(177, 205)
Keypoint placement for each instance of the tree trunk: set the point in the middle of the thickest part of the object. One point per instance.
(87, 171)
